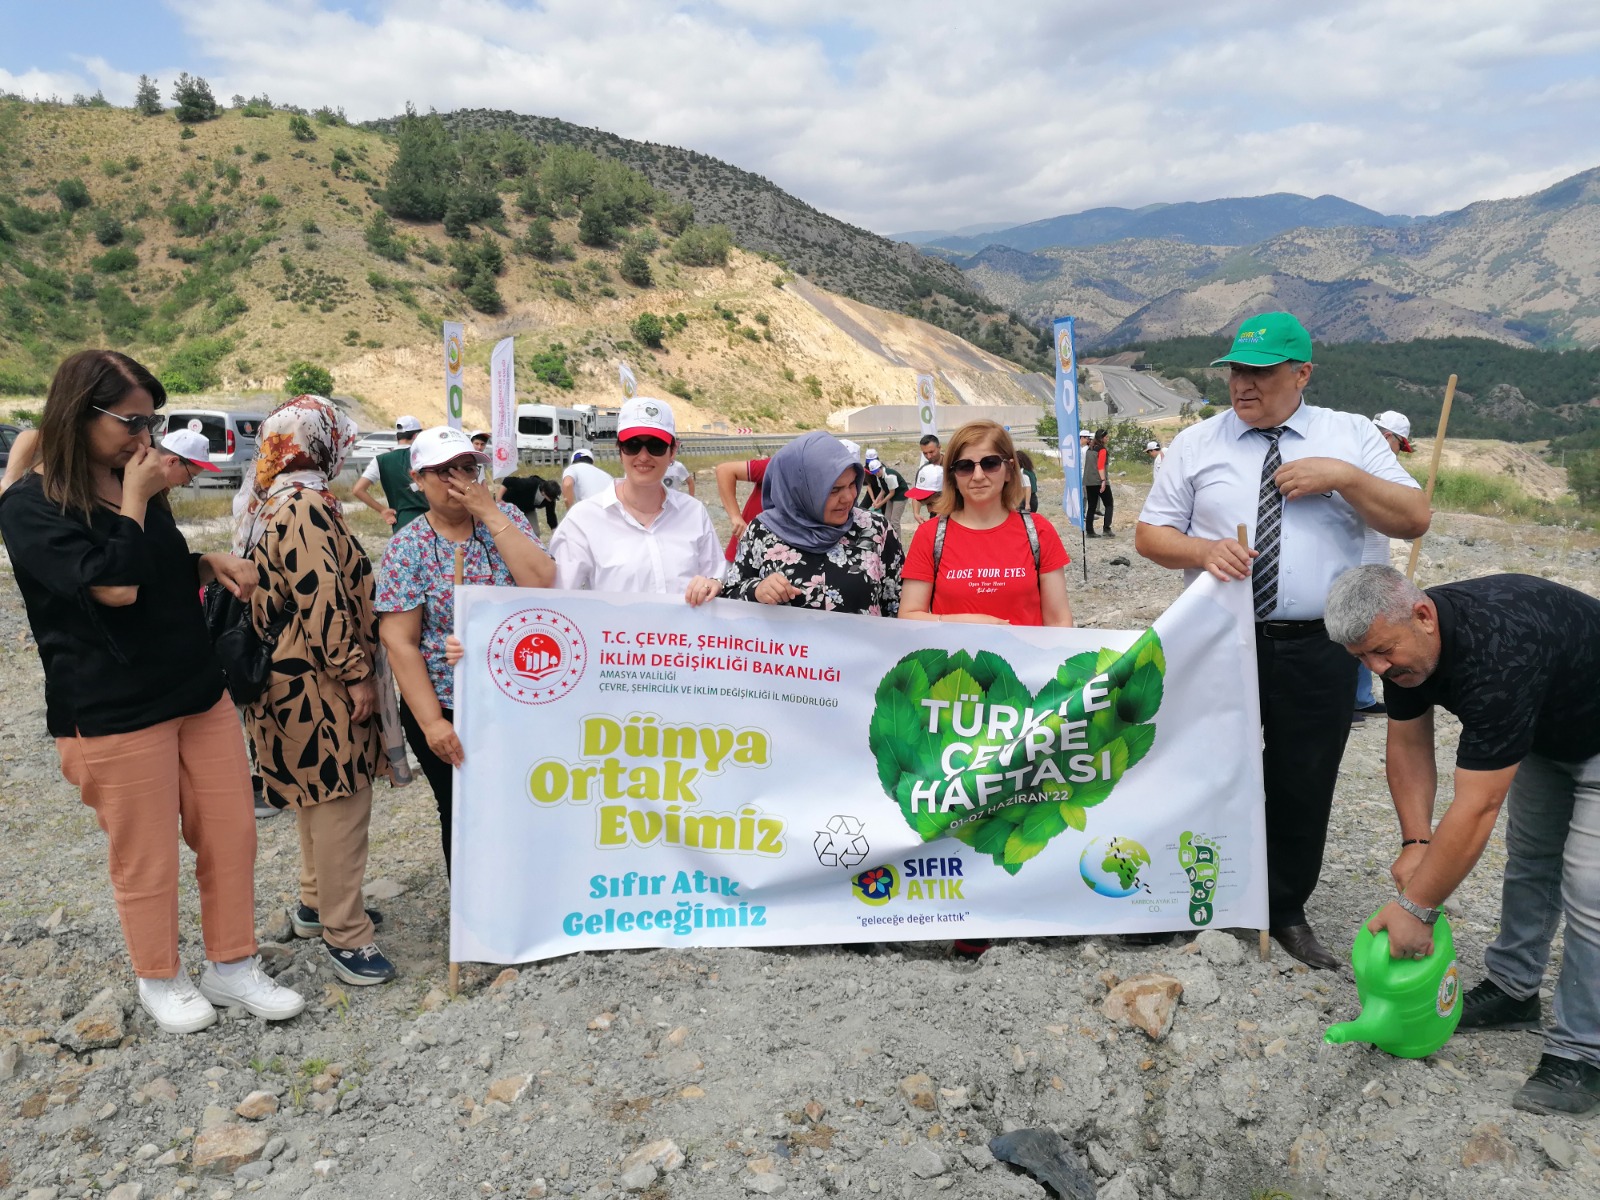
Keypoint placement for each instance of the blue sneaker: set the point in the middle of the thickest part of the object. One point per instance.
(362, 967)
(307, 923)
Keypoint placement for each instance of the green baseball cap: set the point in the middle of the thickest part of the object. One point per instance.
(1267, 340)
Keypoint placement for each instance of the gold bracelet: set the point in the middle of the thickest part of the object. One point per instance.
(496, 533)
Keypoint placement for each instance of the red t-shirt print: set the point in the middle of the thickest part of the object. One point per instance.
(987, 571)
(757, 467)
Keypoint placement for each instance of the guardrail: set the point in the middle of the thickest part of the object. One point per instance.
(759, 445)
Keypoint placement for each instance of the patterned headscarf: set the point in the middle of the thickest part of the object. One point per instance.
(302, 444)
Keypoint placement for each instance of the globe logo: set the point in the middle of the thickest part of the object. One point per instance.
(1110, 866)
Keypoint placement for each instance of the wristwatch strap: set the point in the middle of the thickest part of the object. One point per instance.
(1426, 915)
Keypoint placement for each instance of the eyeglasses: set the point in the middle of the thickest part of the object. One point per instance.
(989, 462)
(460, 466)
(156, 423)
(656, 446)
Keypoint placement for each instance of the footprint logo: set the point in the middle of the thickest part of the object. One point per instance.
(1199, 858)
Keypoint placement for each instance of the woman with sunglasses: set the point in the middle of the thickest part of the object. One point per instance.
(416, 592)
(639, 535)
(133, 695)
(811, 547)
(319, 746)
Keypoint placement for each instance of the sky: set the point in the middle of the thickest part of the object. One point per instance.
(903, 115)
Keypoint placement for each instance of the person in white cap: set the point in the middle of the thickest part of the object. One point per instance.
(930, 477)
(639, 535)
(679, 478)
(403, 502)
(583, 479)
(184, 454)
(416, 592)
(1396, 430)
(879, 490)
(1157, 456)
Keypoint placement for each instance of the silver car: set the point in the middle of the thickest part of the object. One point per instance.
(231, 435)
(368, 448)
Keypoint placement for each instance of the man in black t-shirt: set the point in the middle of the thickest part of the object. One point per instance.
(530, 493)
(1517, 659)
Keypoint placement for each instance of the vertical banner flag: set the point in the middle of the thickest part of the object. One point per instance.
(630, 385)
(925, 402)
(1067, 422)
(503, 408)
(454, 394)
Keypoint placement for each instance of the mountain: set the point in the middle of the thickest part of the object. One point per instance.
(920, 237)
(1235, 222)
(1521, 271)
(223, 253)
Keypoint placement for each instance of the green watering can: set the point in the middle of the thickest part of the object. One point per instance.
(1409, 1006)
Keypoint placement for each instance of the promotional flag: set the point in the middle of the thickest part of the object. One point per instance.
(503, 408)
(454, 393)
(1067, 421)
(630, 385)
(925, 402)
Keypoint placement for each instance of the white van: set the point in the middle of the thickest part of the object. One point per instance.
(546, 434)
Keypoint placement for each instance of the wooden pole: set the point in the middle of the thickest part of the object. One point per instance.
(1265, 948)
(460, 575)
(1433, 467)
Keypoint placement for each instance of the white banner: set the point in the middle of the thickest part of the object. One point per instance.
(641, 773)
(503, 408)
(926, 398)
(630, 385)
(454, 392)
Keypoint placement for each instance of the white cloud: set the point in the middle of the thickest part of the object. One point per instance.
(947, 112)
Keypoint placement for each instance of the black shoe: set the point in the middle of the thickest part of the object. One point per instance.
(361, 967)
(1563, 1087)
(1489, 1006)
(263, 809)
(1358, 718)
(1302, 944)
(307, 921)
(1107, 533)
(1376, 708)
(1090, 533)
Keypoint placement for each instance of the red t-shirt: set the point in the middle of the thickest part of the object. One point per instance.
(986, 571)
(757, 467)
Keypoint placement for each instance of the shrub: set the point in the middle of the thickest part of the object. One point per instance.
(490, 257)
(330, 116)
(308, 379)
(561, 288)
(119, 258)
(381, 239)
(260, 156)
(703, 246)
(550, 366)
(539, 242)
(73, 194)
(482, 294)
(108, 230)
(185, 134)
(675, 218)
(813, 385)
(596, 227)
(193, 100)
(269, 202)
(301, 129)
(193, 366)
(679, 388)
(635, 268)
(1583, 476)
(147, 98)
(648, 330)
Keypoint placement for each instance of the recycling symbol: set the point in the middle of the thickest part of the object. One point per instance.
(842, 843)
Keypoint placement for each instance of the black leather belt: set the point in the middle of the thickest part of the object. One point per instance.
(1280, 631)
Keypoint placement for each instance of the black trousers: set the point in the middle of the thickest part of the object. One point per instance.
(435, 769)
(1092, 498)
(1305, 686)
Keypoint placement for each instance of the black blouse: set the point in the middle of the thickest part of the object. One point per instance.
(109, 670)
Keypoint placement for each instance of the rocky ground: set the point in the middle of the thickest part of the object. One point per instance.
(809, 1071)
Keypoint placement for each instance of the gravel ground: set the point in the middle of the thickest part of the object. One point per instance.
(810, 1071)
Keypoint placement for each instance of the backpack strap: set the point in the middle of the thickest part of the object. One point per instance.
(938, 553)
(1033, 538)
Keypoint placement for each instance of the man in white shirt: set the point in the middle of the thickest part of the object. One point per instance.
(583, 479)
(639, 535)
(1308, 482)
(930, 478)
(1157, 457)
(1396, 430)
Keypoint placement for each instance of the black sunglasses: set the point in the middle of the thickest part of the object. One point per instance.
(656, 446)
(156, 423)
(989, 462)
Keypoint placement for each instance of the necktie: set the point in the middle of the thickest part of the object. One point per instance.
(1269, 528)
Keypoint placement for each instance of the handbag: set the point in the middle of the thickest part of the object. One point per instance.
(244, 655)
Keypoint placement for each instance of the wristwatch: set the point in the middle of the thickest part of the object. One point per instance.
(1426, 915)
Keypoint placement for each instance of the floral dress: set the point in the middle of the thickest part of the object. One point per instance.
(859, 575)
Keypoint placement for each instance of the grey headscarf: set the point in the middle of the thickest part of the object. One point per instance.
(794, 491)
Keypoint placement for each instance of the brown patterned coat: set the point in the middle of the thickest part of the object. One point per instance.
(309, 748)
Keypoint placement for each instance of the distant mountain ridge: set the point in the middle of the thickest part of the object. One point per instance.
(1238, 221)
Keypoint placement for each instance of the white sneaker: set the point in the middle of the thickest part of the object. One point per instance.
(253, 990)
(174, 1003)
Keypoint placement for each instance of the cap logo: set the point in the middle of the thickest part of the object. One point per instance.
(1252, 335)
(650, 410)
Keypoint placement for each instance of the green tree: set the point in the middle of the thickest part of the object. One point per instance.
(301, 129)
(1048, 430)
(482, 294)
(1583, 477)
(648, 330)
(491, 257)
(550, 366)
(675, 218)
(424, 169)
(73, 194)
(596, 226)
(381, 239)
(147, 99)
(635, 268)
(308, 379)
(539, 242)
(193, 100)
(703, 246)
(531, 200)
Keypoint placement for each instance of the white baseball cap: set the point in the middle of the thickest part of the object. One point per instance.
(1398, 424)
(441, 444)
(190, 445)
(1085, 435)
(1152, 445)
(582, 456)
(408, 425)
(853, 447)
(645, 417)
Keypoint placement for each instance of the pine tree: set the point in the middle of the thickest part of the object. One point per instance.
(540, 241)
(483, 295)
(424, 169)
(147, 100)
(194, 101)
(635, 267)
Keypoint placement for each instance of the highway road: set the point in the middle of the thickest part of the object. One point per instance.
(1138, 395)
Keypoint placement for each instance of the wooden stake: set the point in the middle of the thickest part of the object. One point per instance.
(455, 979)
(461, 564)
(1243, 533)
(460, 574)
(1433, 467)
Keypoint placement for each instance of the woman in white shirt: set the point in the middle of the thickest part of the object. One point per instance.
(639, 535)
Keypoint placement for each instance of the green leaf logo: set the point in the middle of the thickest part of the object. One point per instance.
(965, 749)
